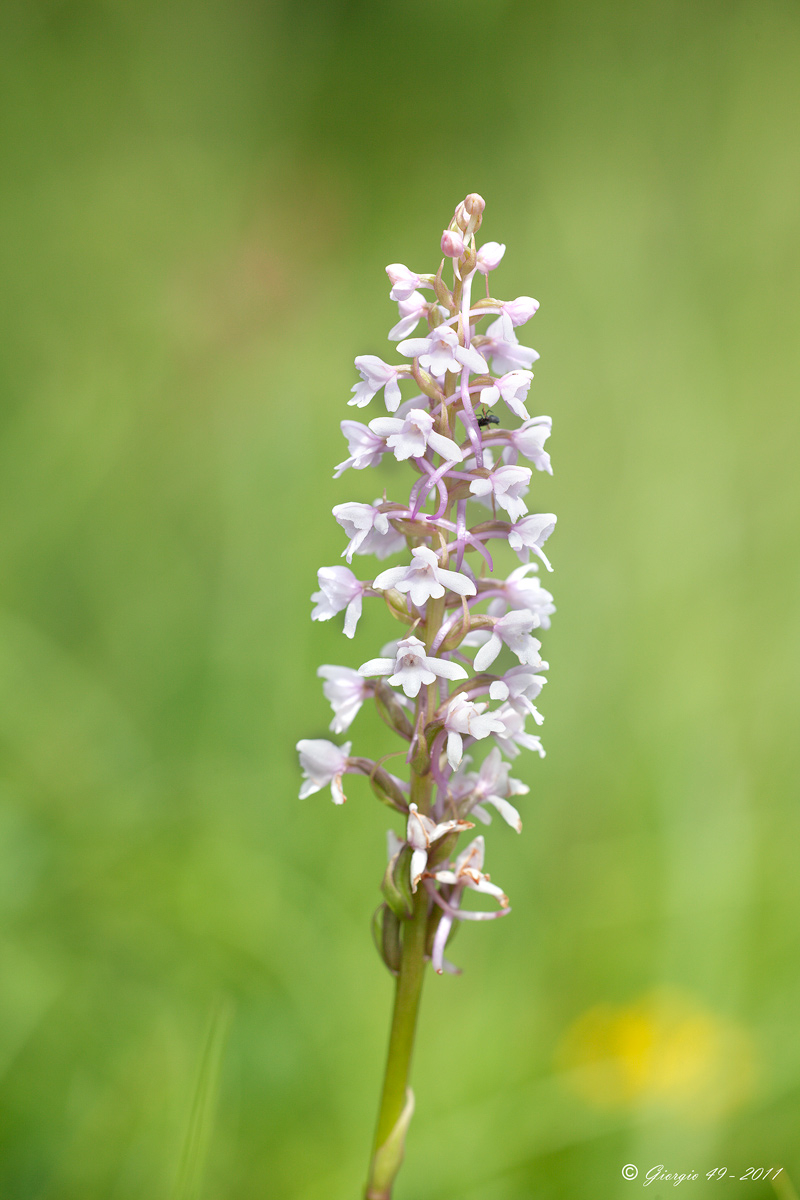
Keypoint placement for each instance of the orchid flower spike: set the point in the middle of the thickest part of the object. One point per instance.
(458, 429)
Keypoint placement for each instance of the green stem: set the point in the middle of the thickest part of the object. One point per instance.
(386, 1156)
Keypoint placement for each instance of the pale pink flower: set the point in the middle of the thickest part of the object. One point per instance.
(366, 448)
(346, 691)
(507, 485)
(410, 436)
(515, 630)
(411, 668)
(492, 785)
(489, 256)
(530, 534)
(463, 717)
(339, 589)
(424, 579)
(529, 440)
(502, 347)
(411, 312)
(440, 351)
(404, 282)
(519, 686)
(514, 738)
(375, 374)
(323, 763)
(368, 529)
(452, 244)
(524, 590)
(517, 312)
(513, 388)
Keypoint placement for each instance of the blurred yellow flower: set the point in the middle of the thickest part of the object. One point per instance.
(665, 1049)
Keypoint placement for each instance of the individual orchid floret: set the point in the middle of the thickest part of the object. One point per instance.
(513, 313)
(424, 579)
(507, 485)
(440, 351)
(411, 312)
(466, 719)
(501, 345)
(519, 686)
(339, 589)
(523, 589)
(492, 785)
(452, 244)
(368, 529)
(530, 534)
(409, 437)
(513, 388)
(404, 282)
(366, 448)
(422, 833)
(469, 213)
(323, 763)
(515, 630)
(514, 738)
(376, 374)
(345, 691)
(412, 668)
(529, 441)
(468, 872)
(489, 256)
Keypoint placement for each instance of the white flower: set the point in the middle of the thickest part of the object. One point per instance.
(521, 590)
(421, 833)
(411, 312)
(531, 534)
(403, 281)
(339, 589)
(440, 351)
(513, 388)
(489, 256)
(520, 686)
(513, 629)
(513, 738)
(504, 349)
(515, 312)
(508, 485)
(366, 448)
(423, 578)
(346, 691)
(493, 785)
(412, 668)
(529, 440)
(409, 437)
(323, 763)
(368, 529)
(375, 374)
(468, 873)
(471, 720)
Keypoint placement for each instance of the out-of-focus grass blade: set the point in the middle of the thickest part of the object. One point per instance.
(783, 1187)
(201, 1118)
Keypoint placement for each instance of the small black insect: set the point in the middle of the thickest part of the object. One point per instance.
(486, 419)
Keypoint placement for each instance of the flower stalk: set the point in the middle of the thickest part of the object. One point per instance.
(435, 684)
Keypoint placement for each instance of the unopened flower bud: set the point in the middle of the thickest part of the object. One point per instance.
(452, 244)
(474, 204)
(469, 213)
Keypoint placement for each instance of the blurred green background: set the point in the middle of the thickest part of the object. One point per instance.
(198, 202)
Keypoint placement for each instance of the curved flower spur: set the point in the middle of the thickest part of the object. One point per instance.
(440, 686)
